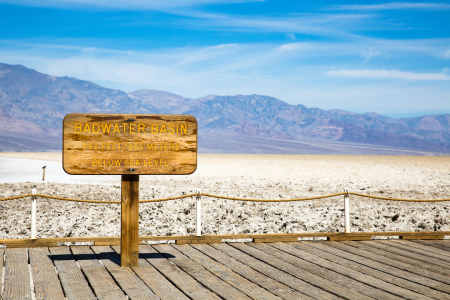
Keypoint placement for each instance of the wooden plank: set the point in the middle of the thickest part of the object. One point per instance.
(45, 280)
(275, 273)
(17, 277)
(423, 249)
(99, 278)
(287, 267)
(101, 243)
(350, 269)
(31, 245)
(444, 244)
(211, 238)
(111, 243)
(129, 241)
(198, 241)
(129, 144)
(274, 240)
(130, 283)
(199, 273)
(72, 279)
(226, 274)
(406, 256)
(159, 284)
(391, 246)
(389, 266)
(442, 259)
(192, 288)
(320, 267)
(245, 271)
(421, 237)
(363, 265)
(364, 251)
(350, 238)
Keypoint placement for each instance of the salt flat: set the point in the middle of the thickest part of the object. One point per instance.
(235, 175)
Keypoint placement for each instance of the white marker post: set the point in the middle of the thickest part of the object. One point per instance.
(199, 212)
(33, 214)
(347, 211)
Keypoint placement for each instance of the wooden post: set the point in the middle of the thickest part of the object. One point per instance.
(43, 172)
(33, 214)
(129, 240)
(199, 212)
(347, 212)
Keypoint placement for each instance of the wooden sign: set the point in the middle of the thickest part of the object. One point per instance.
(131, 144)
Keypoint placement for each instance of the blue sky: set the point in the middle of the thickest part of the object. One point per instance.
(388, 57)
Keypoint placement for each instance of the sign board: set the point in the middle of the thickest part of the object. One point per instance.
(120, 144)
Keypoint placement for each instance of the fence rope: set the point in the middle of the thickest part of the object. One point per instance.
(273, 200)
(399, 199)
(225, 198)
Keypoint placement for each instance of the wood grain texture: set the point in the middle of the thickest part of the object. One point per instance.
(45, 280)
(192, 288)
(393, 251)
(245, 271)
(350, 238)
(274, 237)
(405, 288)
(17, 277)
(226, 274)
(198, 241)
(308, 262)
(404, 270)
(99, 278)
(404, 263)
(423, 249)
(159, 284)
(278, 239)
(74, 283)
(444, 244)
(330, 262)
(129, 221)
(275, 273)
(422, 237)
(130, 283)
(129, 144)
(288, 267)
(386, 266)
(199, 273)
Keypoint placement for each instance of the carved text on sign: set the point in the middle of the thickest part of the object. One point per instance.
(129, 144)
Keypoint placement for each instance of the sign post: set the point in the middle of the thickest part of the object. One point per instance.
(129, 145)
(129, 237)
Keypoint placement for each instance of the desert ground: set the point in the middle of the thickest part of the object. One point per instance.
(234, 175)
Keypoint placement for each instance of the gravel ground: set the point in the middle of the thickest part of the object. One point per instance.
(247, 176)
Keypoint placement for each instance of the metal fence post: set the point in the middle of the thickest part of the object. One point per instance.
(347, 211)
(199, 212)
(33, 214)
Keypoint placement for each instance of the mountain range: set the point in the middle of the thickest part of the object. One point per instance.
(32, 106)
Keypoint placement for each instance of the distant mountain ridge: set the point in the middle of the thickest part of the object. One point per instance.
(34, 104)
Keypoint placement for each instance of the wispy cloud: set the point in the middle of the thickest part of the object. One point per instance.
(445, 54)
(394, 6)
(318, 24)
(291, 36)
(368, 54)
(388, 74)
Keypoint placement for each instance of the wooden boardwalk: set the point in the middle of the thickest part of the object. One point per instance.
(381, 269)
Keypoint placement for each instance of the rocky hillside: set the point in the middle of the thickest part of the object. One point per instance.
(33, 105)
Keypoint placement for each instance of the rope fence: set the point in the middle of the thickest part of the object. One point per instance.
(226, 198)
(198, 195)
